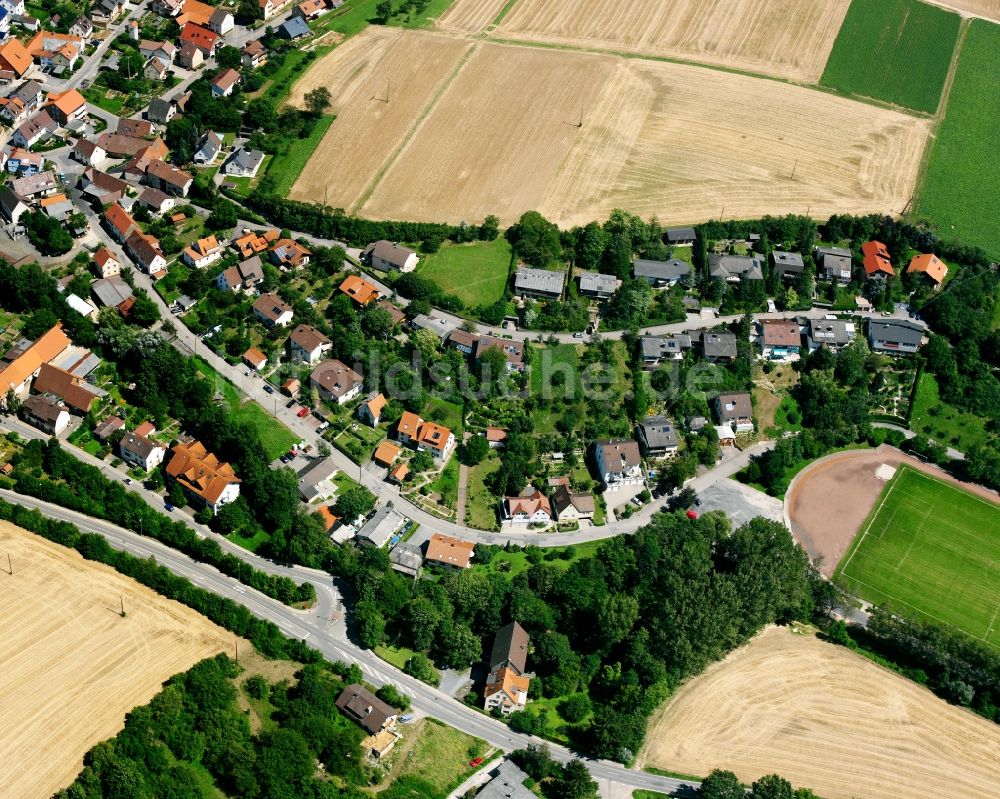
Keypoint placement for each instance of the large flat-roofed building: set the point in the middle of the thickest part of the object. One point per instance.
(539, 283)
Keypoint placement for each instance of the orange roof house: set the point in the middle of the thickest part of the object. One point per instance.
(359, 289)
(929, 265)
(448, 551)
(14, 57)
(68, 387)
(434, 436)
(254, 358)
(202, 38)
(66, 106)
(329, 520)
(196, 12)
(398, 474)
(386, 453)
(408, 425)
(204, 478)
(876, 259)
(507, 689)
(120, 222)
(252, 243)
(16, 375)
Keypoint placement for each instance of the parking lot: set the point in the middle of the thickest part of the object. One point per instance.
(739, 502)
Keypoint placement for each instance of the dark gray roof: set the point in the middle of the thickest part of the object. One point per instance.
(543, 280)
(138, 445)
(838, 251)
(510, 648)
(673, 269)
(406, 558)
(658, 346)
(658, 432)
(42, 407)
(111, 290)
(295, 27)
(247, 160)
(725, 267)
(379, 528)
(831, 331)
(734, 405)
(895, 330)
(362, 706)
(507, 784)
(675, 234)
(597, 283)
(788, 261)
(158, 109)
(718, 345)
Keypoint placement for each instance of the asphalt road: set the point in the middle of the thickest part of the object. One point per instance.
(320, 633)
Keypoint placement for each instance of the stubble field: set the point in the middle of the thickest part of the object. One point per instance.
(470, 16)
(70, 666)
(498, 131)
(827, 719)
(784, 38)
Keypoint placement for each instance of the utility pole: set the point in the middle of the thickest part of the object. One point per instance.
(794, 167)
(10, 568)
(122, 600)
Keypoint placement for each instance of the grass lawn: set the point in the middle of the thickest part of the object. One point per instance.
(480, 504)
(397, 656)
(959, 188)
(440, 755)
(425, 19)
(897, 51)
(98, 95)
(476, 273)
(519, 560)
(945, 423)
(445, 413)
(786, 412)
(284, 168)
(930, 549)
(447, 483)
(251, 544)
(555, 371)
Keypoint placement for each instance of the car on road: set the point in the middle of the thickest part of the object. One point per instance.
(302, 413)
(127, 481)
(168, 506)
(578, 335)
(319, 416)
(286, 458)
(886, 313)
(406, 719)
(476, 761)
(268, 388)
(697, 502)
(290, 403)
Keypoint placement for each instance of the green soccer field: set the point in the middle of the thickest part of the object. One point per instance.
(931, 550)
(897, 51)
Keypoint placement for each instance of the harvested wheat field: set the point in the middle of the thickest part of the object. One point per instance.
(784, 38)
(989, 9)
(825, 719)
(368, 129)
(70, 666)
(495, 140)
(470, 16)
(687, 144)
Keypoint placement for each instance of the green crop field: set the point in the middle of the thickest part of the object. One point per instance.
(931, 550)
(959, 193)
(897, 51)
(476, 273)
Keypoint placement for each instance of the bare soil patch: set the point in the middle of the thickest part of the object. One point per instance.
(829, 500)
(824, 718)
(70, 666)
(784, 38)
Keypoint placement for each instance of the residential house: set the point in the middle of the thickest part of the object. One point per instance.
(161, 111)
(15, 60)
(310, 9)
(289, 254)
(508, 679)
(197, 12)
(79, 396)
(167, 8)
(654, 350)
(619, 463)
(56, 50)
(451, 553)
(224, 83)
(726, 435)
(113, 292)
(359, 290)
(203, 252)
(733, 268)
(32, 188)
(779, 339)
(5, 20)
(11, 206)
(105, 263)
(386, 452)
(380, 527)
(512, 350)
(251, 243)
(201, 38)
(87, 152)
(398, 317)
(569, 505)
(141, 452)
(336, 381)
(119, 223)
(835, 334)
(242, 277)
(156, 201)
(66, 107)
(439, 327)
(20, 370)
(406, 559)
(682, 236)
(307, 344)
(29, 133)
(190, 56)
(876, 260)
(660, 274)
(48, 415)
(136, 129)
(932, 268)
(788, 264)
(207, 481)
(103, 12)
(21, 103)
(539, 283)
(735, 409)
(208, 148)
(530, 507)
(293, 28)
(244, 163)
(496, 437)
(388, 256)
(164, 51)
(507, 782)
(155, 69)
(316, 481)
(895, 336)
(425, 436)
(370, 411)
(597, 285)
(254, 54)
(106, 429)
(83, 28)
(718, 347)
(100, 188)
(657, 436)
(26, 21)
(168, 178)
(221, 21)
(833, 264)
(255, 359)
(463, 341)
(145, 251)
(272, 310)
(21, 162)
(366, 710)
